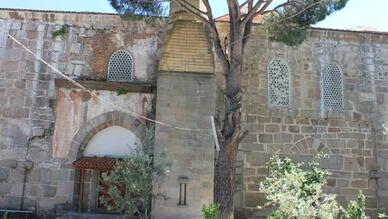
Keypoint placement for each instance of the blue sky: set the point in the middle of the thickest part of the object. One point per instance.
(356, 14)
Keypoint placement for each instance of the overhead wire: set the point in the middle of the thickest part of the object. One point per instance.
(92, 93)
(133, 113)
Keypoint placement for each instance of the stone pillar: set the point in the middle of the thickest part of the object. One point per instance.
(186, 96)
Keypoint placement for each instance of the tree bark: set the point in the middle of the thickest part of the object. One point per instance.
(225, 165)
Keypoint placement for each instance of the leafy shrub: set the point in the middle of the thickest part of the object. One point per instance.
(60, 32)
(211, 211)
(297, 193)
(382, 215)
(356, 209)
(135, 181)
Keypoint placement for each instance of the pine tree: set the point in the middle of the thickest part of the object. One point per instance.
(286, 22)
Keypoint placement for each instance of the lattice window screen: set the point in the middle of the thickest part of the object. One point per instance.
(120, 66)
(278, 83)
(332, 88)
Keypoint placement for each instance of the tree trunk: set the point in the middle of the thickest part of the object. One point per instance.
(224, 178)
(225, 165)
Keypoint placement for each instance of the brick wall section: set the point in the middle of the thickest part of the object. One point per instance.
(351, 138)
(187, 49)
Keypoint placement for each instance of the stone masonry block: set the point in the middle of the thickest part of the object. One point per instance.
(283, 138)
(257, 158)
(254, 199)
(4, 173)
(49, 191)
(5, 188)
(266, 138)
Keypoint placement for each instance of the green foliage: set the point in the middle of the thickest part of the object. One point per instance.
(60, 32)
(133, 9)
(289, 24)
(297, 193)
(121, 91)
(382, 215)
(135, 181)
(356, 209)
(5, 215)
(211, 211)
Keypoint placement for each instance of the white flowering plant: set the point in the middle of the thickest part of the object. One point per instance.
(295, 192)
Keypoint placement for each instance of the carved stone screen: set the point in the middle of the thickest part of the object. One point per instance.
(120, 66)
(332, 88)
(278, 83)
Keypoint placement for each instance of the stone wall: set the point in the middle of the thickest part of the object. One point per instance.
(185, 100)
(35, 163)
(33, 108)
(353, 138)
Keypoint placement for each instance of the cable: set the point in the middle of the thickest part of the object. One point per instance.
(134, 114)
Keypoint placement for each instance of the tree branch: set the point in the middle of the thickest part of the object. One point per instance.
(294, 3)
(248, 24)
(193, 7)
(302, 11)
(242, 136)
(216, 37)
(192, 10)
(261, 4)
(234, 10)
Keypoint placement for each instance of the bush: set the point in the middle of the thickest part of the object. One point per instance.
(211, 211)
(356, 209)
(296, 193)
(134, 181)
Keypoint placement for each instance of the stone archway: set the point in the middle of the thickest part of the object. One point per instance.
(83, 137)
(95, 125)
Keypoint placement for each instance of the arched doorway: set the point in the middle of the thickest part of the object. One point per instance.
(107, 138)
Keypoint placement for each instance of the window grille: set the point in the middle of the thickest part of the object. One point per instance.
(278, 83)
(120, 66)
(332, 88)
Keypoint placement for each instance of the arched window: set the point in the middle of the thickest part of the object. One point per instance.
(114, 141)
(278, 83)
(120, 67)
(332, 88)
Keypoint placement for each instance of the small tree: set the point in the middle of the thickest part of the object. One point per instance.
(134, 182)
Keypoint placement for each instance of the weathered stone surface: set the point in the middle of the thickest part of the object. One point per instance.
(254, 199)
(49, 191)
(8, 163)
(4, 173)
(5, 188)
(257, 158)
(266, 138)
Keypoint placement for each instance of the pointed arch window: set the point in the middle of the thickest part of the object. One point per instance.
(278, 83)
(332, 88)
(120, 67)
